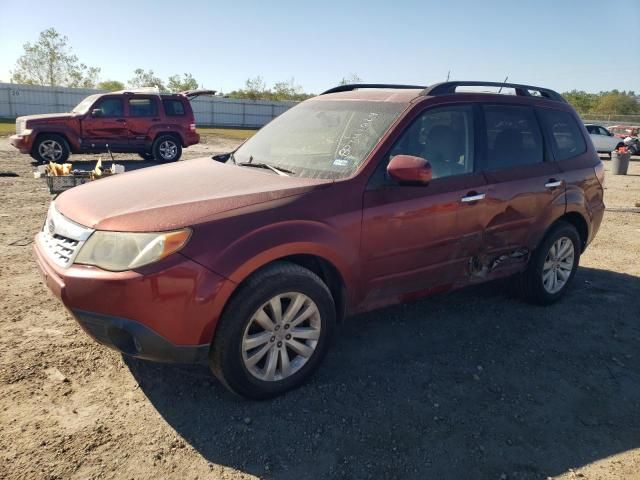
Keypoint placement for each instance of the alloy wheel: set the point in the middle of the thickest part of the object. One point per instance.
(168, 150)
(281, 336)
(50, 150)
(558, 265)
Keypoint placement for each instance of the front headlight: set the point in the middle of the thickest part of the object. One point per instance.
(118, 251)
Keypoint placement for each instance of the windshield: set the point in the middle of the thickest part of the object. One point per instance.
(321, 139)
(84, 105)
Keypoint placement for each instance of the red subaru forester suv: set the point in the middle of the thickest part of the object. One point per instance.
(367, 195)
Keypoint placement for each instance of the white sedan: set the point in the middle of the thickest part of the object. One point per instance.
(603, 139)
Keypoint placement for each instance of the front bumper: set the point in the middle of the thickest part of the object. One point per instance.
(136, 340)
(166, 312)
(22, 142)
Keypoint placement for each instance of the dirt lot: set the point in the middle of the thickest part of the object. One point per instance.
(474, 384)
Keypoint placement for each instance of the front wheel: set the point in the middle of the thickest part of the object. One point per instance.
(167, 148)
(51, 148)
(552, 266)
(274, 332)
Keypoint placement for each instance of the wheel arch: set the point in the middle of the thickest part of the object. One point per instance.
(65, 136)
(320, 265)
(579, 222)
(172, 133)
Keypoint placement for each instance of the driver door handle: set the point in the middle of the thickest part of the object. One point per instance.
(553, 183)
(472, 197)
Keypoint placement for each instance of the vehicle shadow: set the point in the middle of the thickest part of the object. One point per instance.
(474, 384)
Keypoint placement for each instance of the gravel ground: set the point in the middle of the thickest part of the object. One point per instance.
(474, 384)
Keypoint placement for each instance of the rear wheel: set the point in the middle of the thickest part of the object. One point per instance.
(552, 266)
(274, 332)
(167, 148)
(50, 148)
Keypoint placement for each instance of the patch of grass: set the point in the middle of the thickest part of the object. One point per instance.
(235, 133)
(7, 127)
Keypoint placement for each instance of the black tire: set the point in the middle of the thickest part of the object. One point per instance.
(532, 287)
(58, 152)
(145, 155)
(226, 356)
(164, 144)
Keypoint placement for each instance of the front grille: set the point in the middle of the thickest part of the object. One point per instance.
(61, 239)
(61, 250)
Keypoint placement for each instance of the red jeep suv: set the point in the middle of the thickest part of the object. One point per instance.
(142, 121)
(364, 196)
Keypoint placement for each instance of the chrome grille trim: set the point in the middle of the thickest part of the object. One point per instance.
(61, 239)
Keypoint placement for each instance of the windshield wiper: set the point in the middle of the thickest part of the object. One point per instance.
(278, 170)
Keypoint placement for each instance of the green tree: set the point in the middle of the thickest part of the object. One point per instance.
(582, 101)
(50, 61)
(351, 78)
(180, 84)
(619, 103)
(142, 78)
(110, 85)
(256, 89)
(283, 91)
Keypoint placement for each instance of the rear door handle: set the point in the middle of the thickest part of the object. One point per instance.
(553, 183)
(120, 120)
(472, 197)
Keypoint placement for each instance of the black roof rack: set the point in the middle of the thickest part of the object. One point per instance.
(448, 88)
(357, 86)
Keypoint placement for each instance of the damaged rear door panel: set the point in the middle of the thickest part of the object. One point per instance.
(526, 191)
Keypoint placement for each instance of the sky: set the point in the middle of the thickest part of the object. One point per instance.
(560, 44)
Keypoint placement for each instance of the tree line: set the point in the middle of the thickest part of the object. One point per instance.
(51, 61)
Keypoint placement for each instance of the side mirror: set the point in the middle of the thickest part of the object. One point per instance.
(407, 169)
(96, 112)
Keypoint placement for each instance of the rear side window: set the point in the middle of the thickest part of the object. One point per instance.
(173, 108)
(142, 107)
(566, 137)
(513, 137)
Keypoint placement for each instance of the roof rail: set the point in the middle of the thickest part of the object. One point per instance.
(147, 90)
(357, 86)
(448, 88)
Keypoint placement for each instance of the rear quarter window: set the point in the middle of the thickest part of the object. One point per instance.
(566, 135)
(173, 108)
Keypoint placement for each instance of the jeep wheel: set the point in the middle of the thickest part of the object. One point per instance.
(51, 148)
(552, 266)
(274, 332)
(167, 149)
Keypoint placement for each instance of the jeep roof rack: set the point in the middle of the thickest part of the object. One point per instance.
(448, 88)
(356, 86)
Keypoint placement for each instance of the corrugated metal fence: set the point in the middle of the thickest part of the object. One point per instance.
(16, 100)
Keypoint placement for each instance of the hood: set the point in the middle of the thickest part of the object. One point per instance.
(45, 116)
(176, 195)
